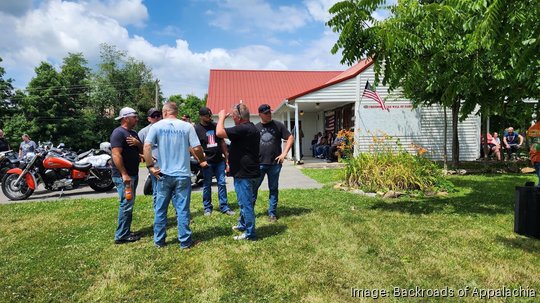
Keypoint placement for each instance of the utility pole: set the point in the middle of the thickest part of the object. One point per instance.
(156, 95)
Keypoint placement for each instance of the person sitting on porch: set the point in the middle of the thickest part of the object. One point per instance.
(493, 146)
(322, 149)
(315, 143)
(512, 141)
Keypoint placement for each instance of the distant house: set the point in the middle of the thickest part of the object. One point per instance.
(332, 100)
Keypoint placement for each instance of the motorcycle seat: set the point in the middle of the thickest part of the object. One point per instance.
(82, 167)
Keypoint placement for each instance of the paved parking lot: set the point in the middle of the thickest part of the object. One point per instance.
(291, 177)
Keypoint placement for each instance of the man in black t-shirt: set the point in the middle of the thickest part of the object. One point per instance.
(271, 155)
(126, 148)
(214, 150)
(4, 145)
(244, 165)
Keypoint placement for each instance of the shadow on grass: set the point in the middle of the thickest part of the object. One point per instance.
(489, 195)
(149, 230)
(285, 211)
(530, 245)
(268, 231)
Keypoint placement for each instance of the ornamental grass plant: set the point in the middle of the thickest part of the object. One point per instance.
(389, 166)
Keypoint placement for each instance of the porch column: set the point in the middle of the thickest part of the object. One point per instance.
(289, 153)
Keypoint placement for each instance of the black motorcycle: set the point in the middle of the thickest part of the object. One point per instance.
(8, 160)
(196, 177)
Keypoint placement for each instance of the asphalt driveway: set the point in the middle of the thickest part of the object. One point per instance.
(291, 177)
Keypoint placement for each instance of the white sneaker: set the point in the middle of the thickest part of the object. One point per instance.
(241, 237)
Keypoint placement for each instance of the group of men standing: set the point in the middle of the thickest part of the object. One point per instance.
(166, 144)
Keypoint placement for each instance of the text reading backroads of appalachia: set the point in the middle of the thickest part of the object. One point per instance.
(445, 292)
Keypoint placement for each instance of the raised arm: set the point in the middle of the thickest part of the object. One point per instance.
(220, 127)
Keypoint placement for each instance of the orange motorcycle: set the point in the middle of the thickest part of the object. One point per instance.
(55, 173)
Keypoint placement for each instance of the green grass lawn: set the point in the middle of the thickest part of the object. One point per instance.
(325, 244)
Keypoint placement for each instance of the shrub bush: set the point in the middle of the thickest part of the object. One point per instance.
(389, 166)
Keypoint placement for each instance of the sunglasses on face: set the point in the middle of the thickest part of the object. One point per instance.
(155, 116)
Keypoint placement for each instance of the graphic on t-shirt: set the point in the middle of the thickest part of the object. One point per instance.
(267, 136)
(211, 138)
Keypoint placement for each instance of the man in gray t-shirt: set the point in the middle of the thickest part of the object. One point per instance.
(154, 115)
(27, 146)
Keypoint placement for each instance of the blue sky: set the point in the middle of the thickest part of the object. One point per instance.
(180, 40)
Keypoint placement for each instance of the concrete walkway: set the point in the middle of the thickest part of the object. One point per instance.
(290, 177)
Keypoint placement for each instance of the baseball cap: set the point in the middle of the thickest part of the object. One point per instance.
(264, 109)
(153, 110)
(126, 112)
(205, 111)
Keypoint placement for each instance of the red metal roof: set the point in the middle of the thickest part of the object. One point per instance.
(352, 72)
(255, 87)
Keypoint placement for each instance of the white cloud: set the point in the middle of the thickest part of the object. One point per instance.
(124, 11)
(57, 27)
(319, 9)
(245, 15)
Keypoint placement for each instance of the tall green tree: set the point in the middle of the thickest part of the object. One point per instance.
(47, 106)
(6, 94)
(189, 105)
(429, 50)
(119, 81)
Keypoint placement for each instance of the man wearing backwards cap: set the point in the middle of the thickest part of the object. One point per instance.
(214, 150)
(126, 148)
(154, 115)
(271, 156)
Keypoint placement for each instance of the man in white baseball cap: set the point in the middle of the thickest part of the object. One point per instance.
(126, 112)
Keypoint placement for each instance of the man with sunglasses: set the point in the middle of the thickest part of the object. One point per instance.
(216, 154)
(154, 115)
(244, 165)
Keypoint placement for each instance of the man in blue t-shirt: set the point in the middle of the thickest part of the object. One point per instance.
(512, 141)
(126, 147)
(172, 171)
(244, 165)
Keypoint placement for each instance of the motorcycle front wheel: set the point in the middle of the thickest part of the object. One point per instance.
(15, 191)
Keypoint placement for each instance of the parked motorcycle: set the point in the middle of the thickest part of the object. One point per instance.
(56, 173)
(196, 177)
(8, 160)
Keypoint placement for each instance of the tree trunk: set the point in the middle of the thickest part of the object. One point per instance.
(455, 139)
(445, 144)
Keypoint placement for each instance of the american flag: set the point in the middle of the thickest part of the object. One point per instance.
(372, 94)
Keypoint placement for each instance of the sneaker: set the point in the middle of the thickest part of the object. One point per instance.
(159, 245)
(238, 228)
(272, 219)
(241, 237)
(207, 212)
(129, 239)
(229, 213)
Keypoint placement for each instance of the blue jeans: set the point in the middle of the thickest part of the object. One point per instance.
(218, 170)
(272, 173)
(179, 190)
(537, 167)
(245, 194)
(125, 209)
(154, 188)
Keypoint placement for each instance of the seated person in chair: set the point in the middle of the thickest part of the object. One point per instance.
(512, 141)
(494, 145)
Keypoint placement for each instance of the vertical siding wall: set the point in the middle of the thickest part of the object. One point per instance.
(423, 126)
